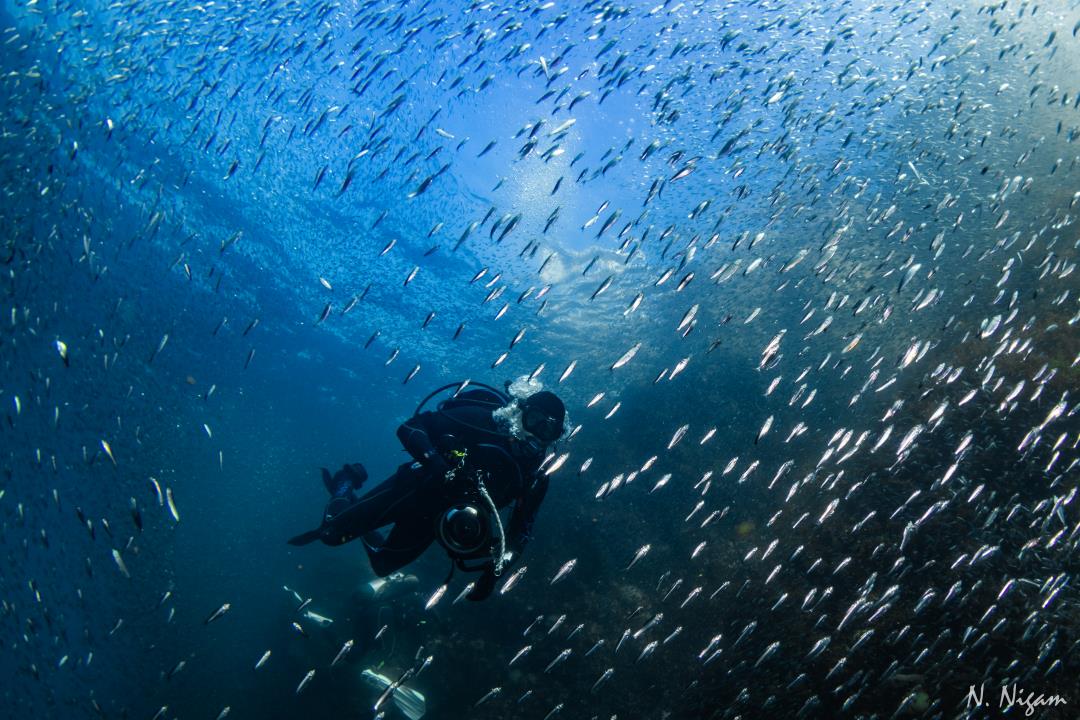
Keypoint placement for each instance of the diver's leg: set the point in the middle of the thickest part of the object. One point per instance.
(345, 520)
(408, 540)
(372, 511)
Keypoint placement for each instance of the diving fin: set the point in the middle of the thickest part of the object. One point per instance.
(410, 702)
(357, 473)
(345, 481)
(306, 538)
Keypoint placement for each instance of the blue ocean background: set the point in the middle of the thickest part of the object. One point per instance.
(188, 188)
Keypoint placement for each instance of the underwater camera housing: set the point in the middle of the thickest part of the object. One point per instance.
(465, 531)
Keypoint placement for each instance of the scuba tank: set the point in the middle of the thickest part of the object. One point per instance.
(497, 397)
(483, 396)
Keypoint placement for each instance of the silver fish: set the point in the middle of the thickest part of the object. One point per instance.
(341, 653)
(304, 683)
(564, 570)
(217, 614)
(642, 551)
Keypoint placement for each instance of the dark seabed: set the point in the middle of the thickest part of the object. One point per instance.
(813, 266)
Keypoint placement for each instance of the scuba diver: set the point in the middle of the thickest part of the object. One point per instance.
(480, 450)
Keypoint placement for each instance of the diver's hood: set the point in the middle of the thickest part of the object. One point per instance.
(509, 417)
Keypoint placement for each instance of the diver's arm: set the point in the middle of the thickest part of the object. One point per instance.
(483, 585)
(414, 437)
(524, 516)
(517, 536)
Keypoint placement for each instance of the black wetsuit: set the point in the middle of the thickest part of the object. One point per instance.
(415, 497)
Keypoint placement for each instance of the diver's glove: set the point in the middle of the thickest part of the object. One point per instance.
(485, 584)
(436, 465)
